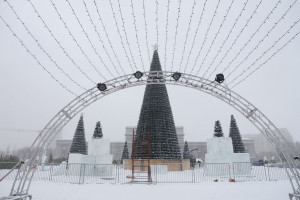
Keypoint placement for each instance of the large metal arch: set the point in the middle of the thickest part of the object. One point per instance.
(253, 114)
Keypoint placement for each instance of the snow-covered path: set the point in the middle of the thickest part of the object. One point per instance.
(277, 190)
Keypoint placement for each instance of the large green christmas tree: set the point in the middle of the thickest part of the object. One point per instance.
(125, 153)
(79, 143)
(156, 119)
(234, 133)
(98, 131)
(218, 130)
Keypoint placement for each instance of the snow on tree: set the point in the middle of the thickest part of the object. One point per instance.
(186, 151)
(234, 133)
(218, 129)
(125, 153)
(79, 143)
(156, 118)
(98, 131)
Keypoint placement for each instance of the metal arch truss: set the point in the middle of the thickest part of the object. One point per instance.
(254, 115)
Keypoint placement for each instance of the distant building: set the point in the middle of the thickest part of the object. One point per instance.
(62, 148)
(256, 145)
(198, 149)
(250, 148)
(264, 148)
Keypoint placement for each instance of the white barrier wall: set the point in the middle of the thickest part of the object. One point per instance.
(220, 150)
(99, 147)
(98, 153)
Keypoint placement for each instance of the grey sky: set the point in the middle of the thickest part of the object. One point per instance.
(30, 98)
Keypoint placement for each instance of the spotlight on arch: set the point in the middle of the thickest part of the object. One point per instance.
(138, 74)
(219, 78)
(176, 76)
(101, 86)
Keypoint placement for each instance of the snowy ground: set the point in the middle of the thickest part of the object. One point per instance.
(259, 190)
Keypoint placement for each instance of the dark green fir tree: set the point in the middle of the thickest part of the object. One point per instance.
(234, 133)
(98, 131)
(218, 130)
(186, 151)
(156, 119)
(50, 159)
(79, 143)
(125, 153)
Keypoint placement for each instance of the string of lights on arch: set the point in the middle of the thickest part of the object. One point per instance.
(114, 37)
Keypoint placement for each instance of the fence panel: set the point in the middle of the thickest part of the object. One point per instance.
(5, 167)
(276, 172)
(160, 173)
(105, 173)
(209, 172)
(173, 173)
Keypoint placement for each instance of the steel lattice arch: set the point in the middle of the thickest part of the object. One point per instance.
(254, 115)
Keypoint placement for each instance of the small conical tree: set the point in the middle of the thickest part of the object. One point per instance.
(79, 143)
(234, 133)
(98, 131)
(125, 153)
(186, 151)
(50, 159)
(218, 130)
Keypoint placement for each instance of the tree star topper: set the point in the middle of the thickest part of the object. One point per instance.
(155, 47)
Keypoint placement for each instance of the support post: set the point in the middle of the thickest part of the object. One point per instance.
(132, 156)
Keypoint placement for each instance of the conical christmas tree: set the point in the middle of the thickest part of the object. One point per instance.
(125, 153)
(98, 131)
(186, 151)
(234, 133)
(79, 143)
(156, 118)
(218, 130)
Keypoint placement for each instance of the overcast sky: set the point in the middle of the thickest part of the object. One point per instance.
(30, 97)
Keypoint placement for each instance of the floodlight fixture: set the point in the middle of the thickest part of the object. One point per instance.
(138, 74)
(176, 76)
(101, 86)
(219, 78)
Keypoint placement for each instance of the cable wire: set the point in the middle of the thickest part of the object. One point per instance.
(126, 37)
(99, 36)
(108, 38)
(146, 30)
(187, 34)
(120, 36)
(76, 42)
(237, 37)
(251, 37)
(205, 38)
(58, 42)
(257, 68)
(88, 38)
(175, 37)
(226, 39)
(216, 35)
(156, 20)
(43, 49)
(261, 41)
(196, 33)
(167, 24)
(136, 35)
(35, 58)
(265, 52)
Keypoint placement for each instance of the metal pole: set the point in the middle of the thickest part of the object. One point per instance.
(51, 169)
(10, 171)
(132, 156)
